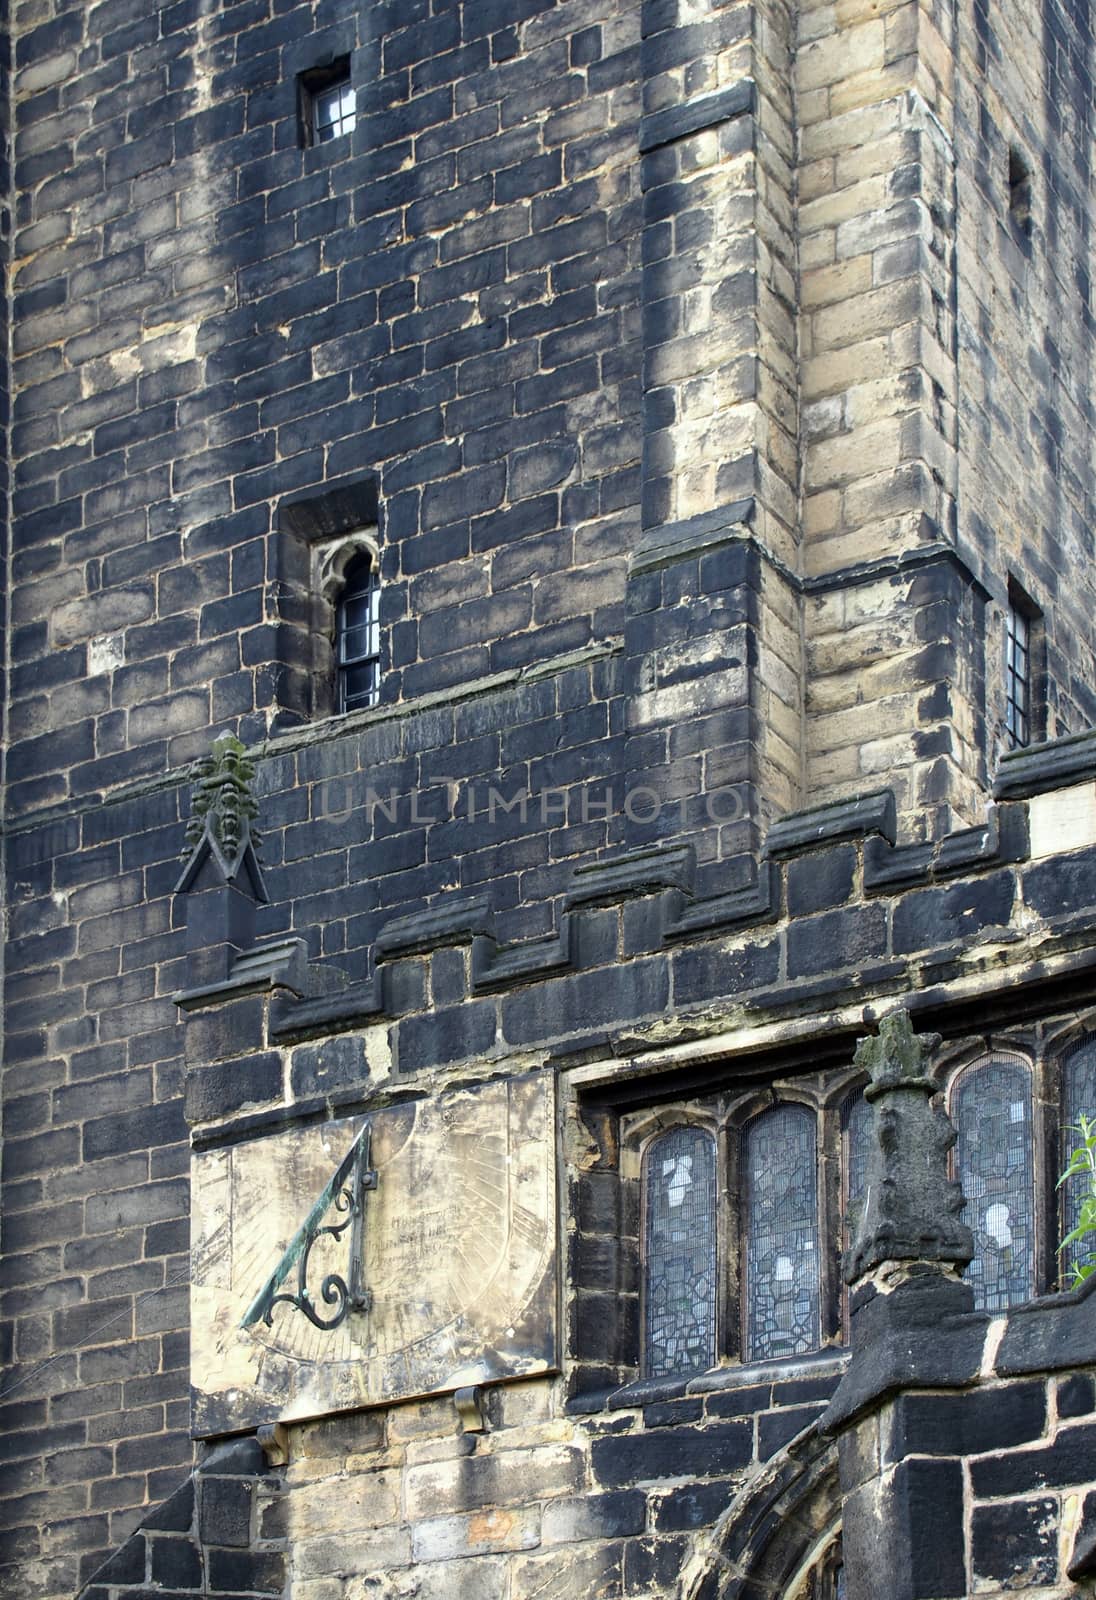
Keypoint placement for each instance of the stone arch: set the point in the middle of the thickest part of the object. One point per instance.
(330, 562)
(335, 555)
(779, 1526)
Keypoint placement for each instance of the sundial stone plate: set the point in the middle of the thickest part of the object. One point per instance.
(458, 1257)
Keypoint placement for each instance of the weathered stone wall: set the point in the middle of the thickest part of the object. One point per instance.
(554, 311)
(1025, 332)
(220, 1534)
(893, 627)
(220, 317)
(946, 344)
(966, 1453)
(96, 1235)
(210, 317)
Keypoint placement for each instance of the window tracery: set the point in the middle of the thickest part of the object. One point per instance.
(737, 1227)
(747, 1201)
(347, 625)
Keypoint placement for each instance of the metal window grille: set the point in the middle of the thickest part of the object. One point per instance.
(334, 111)
(358, 637)
(679, 1257)
(1018, 678)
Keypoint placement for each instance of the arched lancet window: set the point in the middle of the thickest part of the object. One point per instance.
(358, 635)
(992, 1111)
(679, 1260)
(1078, 1099)
(782, 1299)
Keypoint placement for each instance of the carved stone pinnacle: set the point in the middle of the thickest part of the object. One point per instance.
(223, 806)
(912, 1206)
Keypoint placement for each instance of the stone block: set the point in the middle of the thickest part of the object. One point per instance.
(1016, 1545)
(721, 1448)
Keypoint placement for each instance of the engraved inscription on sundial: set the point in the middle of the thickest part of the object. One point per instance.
(443, 1276)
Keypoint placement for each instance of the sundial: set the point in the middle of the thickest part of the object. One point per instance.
(402, 1253)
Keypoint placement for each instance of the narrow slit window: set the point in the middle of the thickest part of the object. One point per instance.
(783, 1302)
(1019, 188)
(1017, 678)
(679, 1186)
(995, 1159)
(1078, 1099)
(358, 636)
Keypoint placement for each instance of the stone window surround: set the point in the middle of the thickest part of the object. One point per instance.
(320, 532)
(313, 86)
(726, 1112)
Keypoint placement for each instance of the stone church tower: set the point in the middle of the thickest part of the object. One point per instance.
(549, 799)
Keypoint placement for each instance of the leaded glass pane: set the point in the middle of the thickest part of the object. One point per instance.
(680, 1253)
(826, 1581)
(1078, 1099)
(857, 1122)
(856, 1127)
(993, 1115)
(783, 1313)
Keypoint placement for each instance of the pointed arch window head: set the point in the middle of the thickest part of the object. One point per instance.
(358, 635)
(680, 1268)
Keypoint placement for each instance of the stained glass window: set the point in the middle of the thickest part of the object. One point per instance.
(1078, 1099)
(857, 1122)
(783, 1313)
(856, 1127)
(993, 1115)
(680, 1254)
